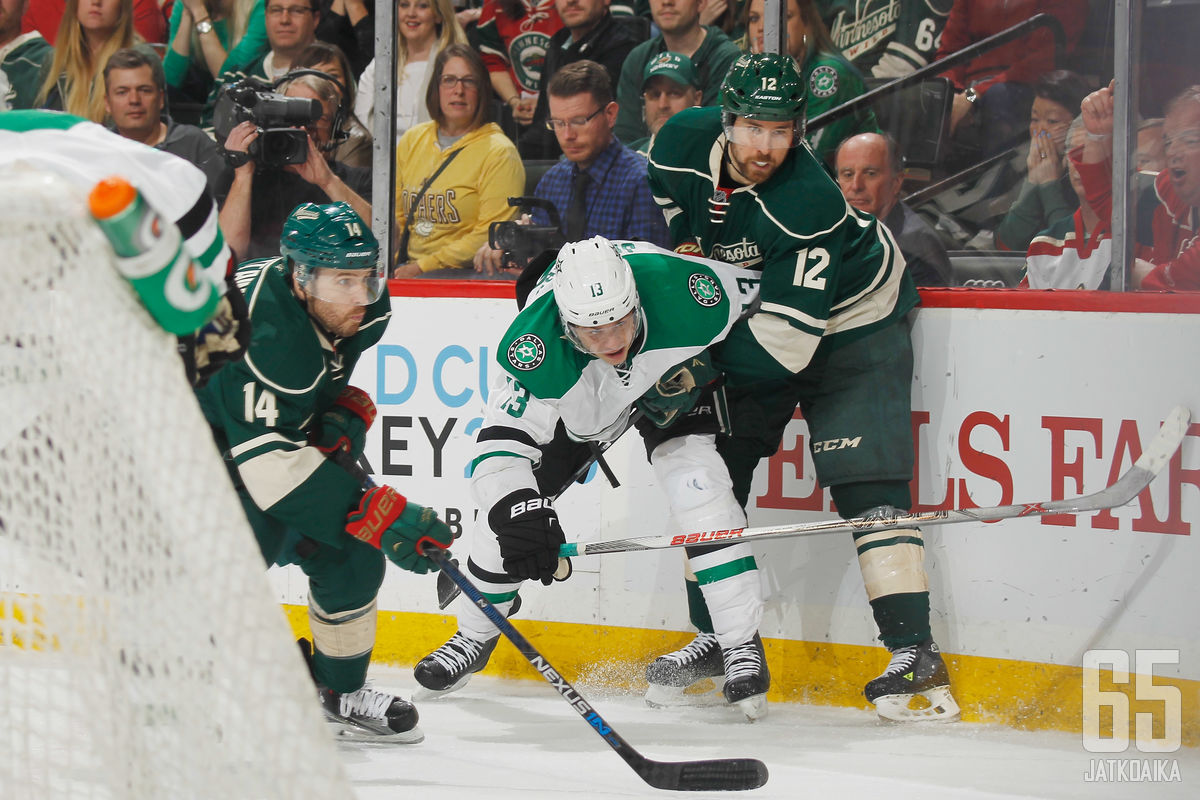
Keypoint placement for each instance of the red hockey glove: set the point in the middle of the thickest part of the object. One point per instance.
(344, 425)
(385, 519)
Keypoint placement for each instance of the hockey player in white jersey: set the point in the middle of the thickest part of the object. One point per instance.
(611, 326)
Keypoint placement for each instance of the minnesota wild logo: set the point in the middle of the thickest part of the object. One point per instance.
(824, 81)
(527, 352)
(704, 289)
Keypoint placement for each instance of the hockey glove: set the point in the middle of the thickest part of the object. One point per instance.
(677, 391)
(529, 534)
(223, 339)
(344, 425)
(689, 248)
(385, 519)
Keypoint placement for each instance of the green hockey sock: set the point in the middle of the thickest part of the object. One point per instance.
(903, 619)
(344, 675)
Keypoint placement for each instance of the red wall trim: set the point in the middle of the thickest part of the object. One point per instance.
(1014, 299)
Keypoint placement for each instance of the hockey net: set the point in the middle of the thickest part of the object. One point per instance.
(142, 654)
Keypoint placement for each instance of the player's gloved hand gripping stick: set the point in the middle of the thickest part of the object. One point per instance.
(729, 774)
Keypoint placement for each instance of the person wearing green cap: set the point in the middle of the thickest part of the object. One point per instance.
(669, 85)
(739, 184)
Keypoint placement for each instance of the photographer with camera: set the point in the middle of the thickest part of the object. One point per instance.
(281, 146)
(600, 186)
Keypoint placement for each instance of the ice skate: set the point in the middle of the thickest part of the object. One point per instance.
(915, 671)
(448, 668)
(682, 678)
(369, 715)
(747, 678)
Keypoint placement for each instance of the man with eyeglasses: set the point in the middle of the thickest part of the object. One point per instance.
(738, 184)
(291, 27)
(599, 187)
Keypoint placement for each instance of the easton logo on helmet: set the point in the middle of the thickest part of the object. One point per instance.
(704, 289)
(527, 352)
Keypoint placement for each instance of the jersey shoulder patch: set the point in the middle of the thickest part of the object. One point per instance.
(534, 351)
(683, 300)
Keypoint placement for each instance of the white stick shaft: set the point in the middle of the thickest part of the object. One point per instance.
(1126, 488)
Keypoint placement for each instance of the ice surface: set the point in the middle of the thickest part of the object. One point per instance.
(514, 739)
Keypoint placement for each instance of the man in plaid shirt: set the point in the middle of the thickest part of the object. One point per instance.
(616, 202)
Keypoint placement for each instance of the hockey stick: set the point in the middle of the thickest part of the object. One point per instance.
(719, 774)
(1125, 489)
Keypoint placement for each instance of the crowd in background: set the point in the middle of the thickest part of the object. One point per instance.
(477, 119)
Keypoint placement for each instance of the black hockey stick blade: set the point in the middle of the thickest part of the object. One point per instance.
(1135, 480)
(721, 774)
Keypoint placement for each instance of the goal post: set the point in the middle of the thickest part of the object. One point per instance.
(142, 653)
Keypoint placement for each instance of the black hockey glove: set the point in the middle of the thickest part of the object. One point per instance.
(678, 389)
(527, 528)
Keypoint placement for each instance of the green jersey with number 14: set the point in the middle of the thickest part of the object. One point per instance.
(688, 304)
(830, 274)
(263, 407)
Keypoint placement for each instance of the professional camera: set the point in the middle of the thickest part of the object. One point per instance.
(522, 243)
(282, 139)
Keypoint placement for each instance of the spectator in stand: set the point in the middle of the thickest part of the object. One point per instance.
(513, 37)
(45, 17)
(23, 56)
(455, 173)
(350, 25)
(993, 91)
(426, 28)
(261, 196)
(589, 31)
(669, 86)
(90, 32)
(209, 38)
(599, 187)
(291, 27)
(1075, 252)
(1150, 156)
(870, 173)
(1170, 259)
(1046, 195)
(885, 38)
(709, 48)
(135, 92)
(829, 79)
(352, 146)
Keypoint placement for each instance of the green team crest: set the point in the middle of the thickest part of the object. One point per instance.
(704, 289)
(823, 82)
(527, 53)
(526, 352)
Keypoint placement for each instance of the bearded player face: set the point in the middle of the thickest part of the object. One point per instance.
(757, 148)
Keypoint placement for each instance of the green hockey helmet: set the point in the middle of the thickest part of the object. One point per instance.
(764, 86)
(322, 240)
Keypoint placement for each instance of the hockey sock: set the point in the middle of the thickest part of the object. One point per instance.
(903, 619)
(697, 608)
(344, 675)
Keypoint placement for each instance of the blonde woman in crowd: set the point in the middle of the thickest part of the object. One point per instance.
(90, 32)
(426, 28)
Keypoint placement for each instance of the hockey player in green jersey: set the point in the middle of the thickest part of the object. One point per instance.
(610, 326)
(277, 416)
(738, 184)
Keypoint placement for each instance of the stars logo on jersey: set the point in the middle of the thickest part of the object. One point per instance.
(704, 289)
(823, 82)
(527, 352)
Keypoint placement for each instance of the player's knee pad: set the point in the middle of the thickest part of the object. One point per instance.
(697, 484)
(892, 562)
(342, 634)
(729, 580)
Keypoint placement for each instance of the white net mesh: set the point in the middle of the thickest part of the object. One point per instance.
(141, 652)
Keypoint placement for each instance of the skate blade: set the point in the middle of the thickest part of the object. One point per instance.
(755, 708)
(700, 694)
(425, 693)
(932, 705)
(348, 731)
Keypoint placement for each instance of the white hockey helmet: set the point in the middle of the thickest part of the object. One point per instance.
(593, 286)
